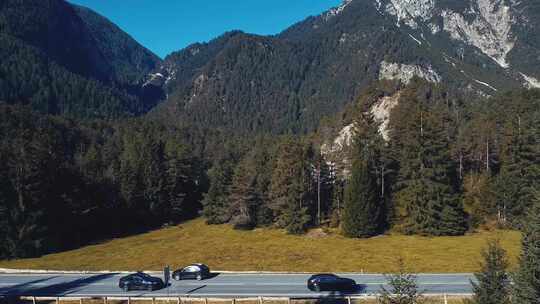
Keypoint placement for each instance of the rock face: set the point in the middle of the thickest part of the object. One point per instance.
(406, 72)
(484, 24)
(490, 30)
(409, 11)
(316, 67)
(381, 112)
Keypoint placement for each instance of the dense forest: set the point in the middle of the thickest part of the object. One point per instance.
(450, 164)
(64, 183)
(89, 151)
(68, 60)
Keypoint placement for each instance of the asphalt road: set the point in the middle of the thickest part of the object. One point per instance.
(222, 285)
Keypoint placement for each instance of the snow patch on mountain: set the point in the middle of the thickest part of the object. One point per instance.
(406, 72)
(530, 82)
(485, 84)
(490, 30)
(416, 40)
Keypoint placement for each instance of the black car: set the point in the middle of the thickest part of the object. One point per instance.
(140, 281)
(192, 272)
(330, 282)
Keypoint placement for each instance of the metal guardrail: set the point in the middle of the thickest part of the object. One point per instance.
(206, 300)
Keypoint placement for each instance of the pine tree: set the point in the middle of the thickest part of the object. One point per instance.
(362, 209)
(244, 197)
(216, 201)
(526, 289)
(520, 168)
(426, 195)
(23, 210)
(290, 190)
(182, 190)
(493, 284)
(403, 288)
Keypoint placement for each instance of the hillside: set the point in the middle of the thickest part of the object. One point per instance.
(248, 84)
(223, 248)
(63, 59)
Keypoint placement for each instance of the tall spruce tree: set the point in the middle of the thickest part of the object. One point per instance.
(526, 289)
(427, 196)
(362, 207)
(520, 169)
(244, 197)
(216, 201)
(23, 212)
(493, 283)
(290, 190)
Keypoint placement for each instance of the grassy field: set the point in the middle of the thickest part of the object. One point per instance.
(223, 248)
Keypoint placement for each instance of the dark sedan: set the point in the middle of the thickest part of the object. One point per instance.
(140, 281)
(330, 282)
(192, 272)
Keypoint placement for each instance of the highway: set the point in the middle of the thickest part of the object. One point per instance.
(226, 285)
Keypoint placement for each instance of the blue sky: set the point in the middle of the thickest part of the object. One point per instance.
(164, 26)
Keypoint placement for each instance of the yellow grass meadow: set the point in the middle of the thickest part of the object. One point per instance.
(223, 248)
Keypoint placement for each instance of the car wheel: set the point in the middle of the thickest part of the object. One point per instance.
(199, 277)
(317, 288)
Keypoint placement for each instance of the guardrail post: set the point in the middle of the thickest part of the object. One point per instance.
(129, 300)
(288, 300)
(178, 300)
(57, 300)
(233, 301)
(105, 300)
(153, 300)
(445, 299)
(260, 300)
(205, 300)
(33, 300)
(349, 300)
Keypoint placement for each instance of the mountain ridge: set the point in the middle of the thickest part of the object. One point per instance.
(63, 59)
(325, 61)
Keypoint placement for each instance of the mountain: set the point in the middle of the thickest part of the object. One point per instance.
(288, 82)
(66, 59)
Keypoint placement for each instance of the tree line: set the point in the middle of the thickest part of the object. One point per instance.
(494, 283)
(450, 164)
(63, 183)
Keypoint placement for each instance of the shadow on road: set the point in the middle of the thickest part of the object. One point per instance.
(337, 297)
(59, 289)
(21, 288)
(212, 275)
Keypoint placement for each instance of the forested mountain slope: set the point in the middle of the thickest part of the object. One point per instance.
(287, 82)
(63, 59)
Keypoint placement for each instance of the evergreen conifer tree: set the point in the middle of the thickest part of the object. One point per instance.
(244, 197)
(526, 289)
(426, 195)
(362, 208)
(493, 284)
(290, 190)
(216, 201)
